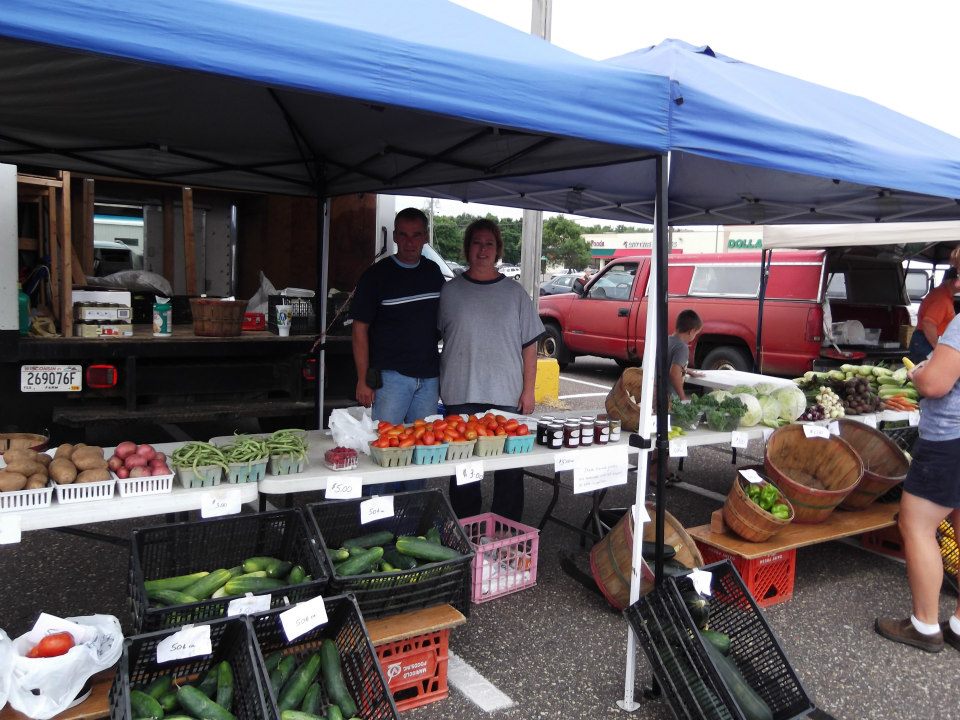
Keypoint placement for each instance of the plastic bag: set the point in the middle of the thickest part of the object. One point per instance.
(43, 687)
(261, 298)
(7, 654)
(137, 280)
(353, 428)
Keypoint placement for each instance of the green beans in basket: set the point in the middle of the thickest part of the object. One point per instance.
(198, 454)
(288, 442)
(246, 449)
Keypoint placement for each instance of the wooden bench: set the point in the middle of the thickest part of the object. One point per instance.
(93, 708)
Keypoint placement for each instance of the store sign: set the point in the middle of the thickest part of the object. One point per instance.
(304, 617)
(346, 487)
(599, 468)
(376, 508)
(745, 244)
(192, 641)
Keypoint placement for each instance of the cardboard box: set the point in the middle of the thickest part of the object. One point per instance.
(83, 311)
(906, 333)
(115, 297)
(102, 331)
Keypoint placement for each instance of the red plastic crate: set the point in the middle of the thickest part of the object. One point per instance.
(506, 559)
(769, 578)
(886, 541)
(416, 668)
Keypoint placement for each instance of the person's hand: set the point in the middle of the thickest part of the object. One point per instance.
(365, 394)
(694, 373)
(915, 369)
(527, 402)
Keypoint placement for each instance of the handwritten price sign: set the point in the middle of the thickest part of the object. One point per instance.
(347, 487)
(469, 472)
(303, 617)
(223, 501)
(193, 640)
(376, 509)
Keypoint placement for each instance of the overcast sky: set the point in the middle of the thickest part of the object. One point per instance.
(903, 55)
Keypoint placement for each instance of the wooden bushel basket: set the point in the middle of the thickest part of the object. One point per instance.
(23, 441)
(797, 464)
(749, 520)
(610, 558)
(618, 402)
(217, 318)
(884, 464)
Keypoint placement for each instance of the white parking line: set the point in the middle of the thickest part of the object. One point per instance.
(477, 689)
(584, 382)
(581, 395)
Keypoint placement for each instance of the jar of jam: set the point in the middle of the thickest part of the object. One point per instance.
(555, 435)
(601, 432)
(614, 430)
(543, 427)
(586, 431)
(571, 433)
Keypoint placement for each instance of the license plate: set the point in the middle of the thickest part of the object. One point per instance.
(51, 378)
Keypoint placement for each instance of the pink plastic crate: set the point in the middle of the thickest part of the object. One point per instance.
(506, 559)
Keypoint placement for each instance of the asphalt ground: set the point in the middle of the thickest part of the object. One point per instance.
(557, 650)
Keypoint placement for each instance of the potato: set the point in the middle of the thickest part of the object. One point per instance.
(44, 459)
(16, 455)
(37, 481)
(25, 467)
(94, 475)
(64, 451)
(63, 471)
(11, 481)
(88, 458)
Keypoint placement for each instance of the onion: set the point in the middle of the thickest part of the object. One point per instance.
(125, 448)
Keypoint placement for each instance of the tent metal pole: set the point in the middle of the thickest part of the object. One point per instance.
(655, 334)
(765, 260)
(323, 265)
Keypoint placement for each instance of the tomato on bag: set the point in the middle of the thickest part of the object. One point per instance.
(52, 645)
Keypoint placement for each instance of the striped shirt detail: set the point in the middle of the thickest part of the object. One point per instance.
(410, 299)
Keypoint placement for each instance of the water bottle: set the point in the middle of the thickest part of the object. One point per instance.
(23, 301)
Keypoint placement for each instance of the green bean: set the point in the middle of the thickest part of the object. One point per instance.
(197, 454)
(246, 449)
(288, 442)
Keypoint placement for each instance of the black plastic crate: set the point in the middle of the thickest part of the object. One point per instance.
(231, 639)
(380, 594)
(181, 548)
(361, 668)
(303, 312)
(666, 630)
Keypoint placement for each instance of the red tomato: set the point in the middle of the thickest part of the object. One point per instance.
(394, 441)
(523, 430)
(429, 438)
(439, 426)
(501, 431)
(407, 442)
(510, 425)
(52, 645)
(383, 425)
(470, 434)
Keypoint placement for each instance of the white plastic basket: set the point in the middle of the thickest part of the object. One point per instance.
(151, 485)
(26, 499)
(84, 492)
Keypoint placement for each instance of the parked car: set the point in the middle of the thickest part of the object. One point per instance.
(607, 317)
(456, 267)
(557, 285)
(511, 271)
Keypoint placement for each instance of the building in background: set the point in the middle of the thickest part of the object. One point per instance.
(721, 238)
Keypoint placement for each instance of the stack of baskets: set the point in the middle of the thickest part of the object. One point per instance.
(622, 400)
(884, 464)
(217, 318)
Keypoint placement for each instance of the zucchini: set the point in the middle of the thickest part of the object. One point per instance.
(159, 687)
(225, 685)
(333, 679)
(260, 562)
(752, 705)
(362, 563)
(369, 540)
(296, 687)
(311, 700)
(171, 597)
(721, 641)
(203, 588)
(425, 550)
(173, 583)
(334, 712)
(299, 715)
(283, 671)
(195, 703)
(398, 559)
(244, 585)
(433, 535)
(145, 706)
(338, 554)
(296, 576)
(278, 569)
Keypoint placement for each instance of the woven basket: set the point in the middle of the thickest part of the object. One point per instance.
(618, 402)
(884, 464)
(815, 474)
(217, 318)
(749, 520)
(23, 441)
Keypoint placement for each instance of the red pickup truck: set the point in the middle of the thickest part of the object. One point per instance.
(607, 317)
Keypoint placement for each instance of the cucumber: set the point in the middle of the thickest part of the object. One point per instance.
(721, 641)
(433, 535)
(333, 679)
(208, 685)
(278, 569)
(338, 554)
(203, 588)
(178, 716)
(296, 687)
(299, 715)
(220, 593)
(159, 687)
(334, 712)
(225, 685)
(244, 585)
(284, 670)
(255, 573)
(171, 597)
(260, 562)
(311, 700)
(145, 706)
(425, 550)
(386, 567)
(272, 660)
(296, 576)
(752, 705)
(369, 540)
(362, 563)
(398, 559)
(698, 606)
(168, 701)
(173, 583)
(195, 703)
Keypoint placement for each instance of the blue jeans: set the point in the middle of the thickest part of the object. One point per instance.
(403, 399)
(467, 500)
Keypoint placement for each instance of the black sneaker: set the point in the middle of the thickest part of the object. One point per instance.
(903, 631)
(949, 636)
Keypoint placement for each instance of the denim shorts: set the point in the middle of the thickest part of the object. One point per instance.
(934, 474)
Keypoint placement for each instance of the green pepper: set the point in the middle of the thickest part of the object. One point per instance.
(780, 511)
(753, 491)
(768, 496)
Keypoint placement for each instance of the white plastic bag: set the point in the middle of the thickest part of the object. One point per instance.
(7, 654)
(353, 428)
(58, 680)
(261, 298)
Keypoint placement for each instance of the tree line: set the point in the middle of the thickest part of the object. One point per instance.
(563, 242)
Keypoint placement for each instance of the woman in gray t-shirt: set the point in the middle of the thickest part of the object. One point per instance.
(931, 493)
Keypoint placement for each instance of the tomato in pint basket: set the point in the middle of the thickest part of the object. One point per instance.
(522, 429)
(52, 645)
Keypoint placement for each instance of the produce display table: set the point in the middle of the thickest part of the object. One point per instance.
(726, 379)
(768, 568)
(95, 707)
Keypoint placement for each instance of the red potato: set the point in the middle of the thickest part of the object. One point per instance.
(159, 470)
(146, 451)
(115, 462)
(139, 472)
(132, 461)
(125, 449)
(159, 458)
(122, 473)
